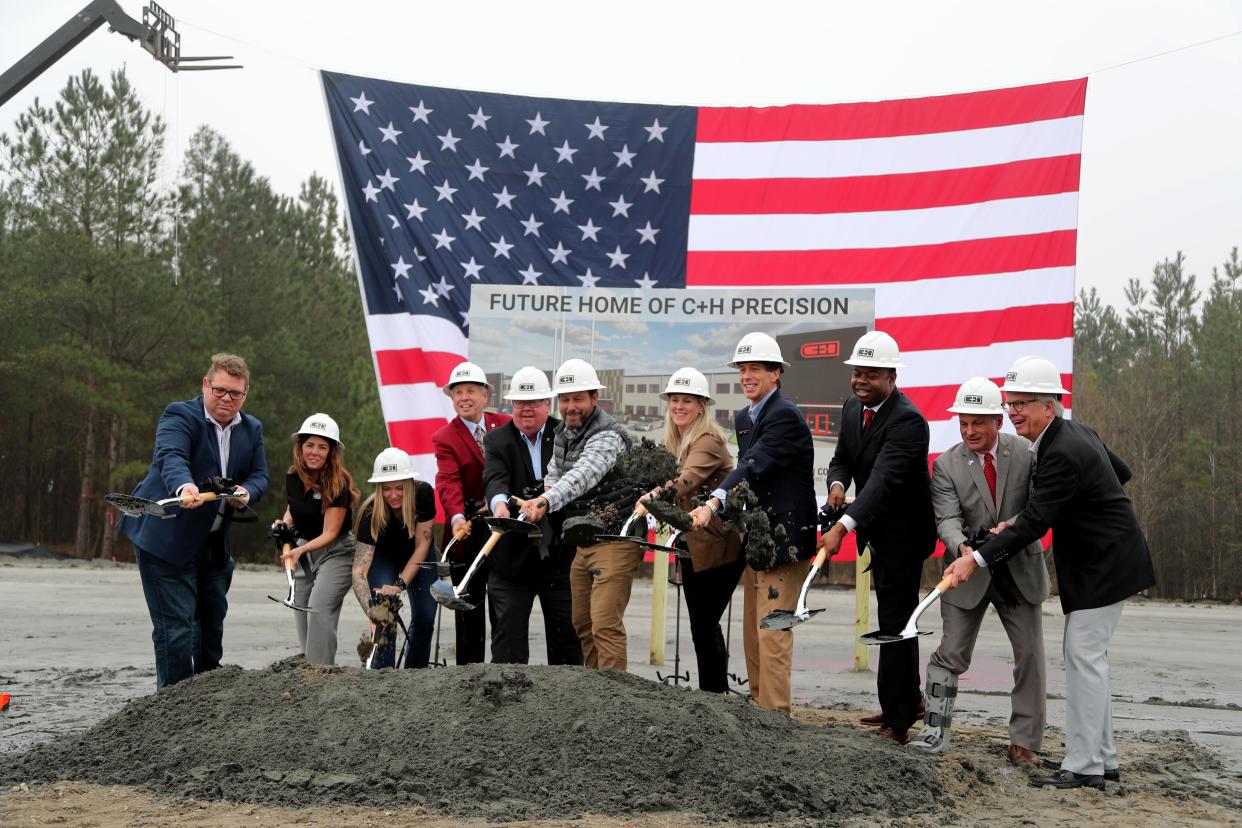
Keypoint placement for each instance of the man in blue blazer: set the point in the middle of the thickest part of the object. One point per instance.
(776, 457)
(184, 561)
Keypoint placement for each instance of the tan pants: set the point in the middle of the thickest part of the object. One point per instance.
(769, 653)
(599, 581)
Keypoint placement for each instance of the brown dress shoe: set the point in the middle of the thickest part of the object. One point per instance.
(898, 736)
(876, 717)
(1022, 757)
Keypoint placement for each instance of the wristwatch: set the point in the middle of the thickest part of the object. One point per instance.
(400, 584)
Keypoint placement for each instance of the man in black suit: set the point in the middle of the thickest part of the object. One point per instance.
(776, 458)
(1100, 553)
(882, 448)
(515, 458)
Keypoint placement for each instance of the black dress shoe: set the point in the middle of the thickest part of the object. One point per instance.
(1067, 779)
(1110, 774)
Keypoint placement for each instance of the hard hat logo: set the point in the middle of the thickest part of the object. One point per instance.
(526, 386)
(1011, 376)
(567, 379)
(973, 399)
(866, 352)
(743, 349)
(320, 426)
(681, 381)
(388, 467)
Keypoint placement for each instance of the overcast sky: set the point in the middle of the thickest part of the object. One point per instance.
(1161, 166)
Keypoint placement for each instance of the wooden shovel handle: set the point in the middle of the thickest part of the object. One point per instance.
(491, 543)
(946, 584)
(204, 496)
(284, 556)
(640, 509)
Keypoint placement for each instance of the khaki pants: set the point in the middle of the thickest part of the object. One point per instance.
(599, 581)
(769, 653)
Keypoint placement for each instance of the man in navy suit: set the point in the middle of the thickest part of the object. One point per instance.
(184, 561)
(882, 448)
(776, 458)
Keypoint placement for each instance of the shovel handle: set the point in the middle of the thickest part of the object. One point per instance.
(946, 583)
(640, 509)
(461, 533)
(285, 559)
(491, 544)
(203, 496)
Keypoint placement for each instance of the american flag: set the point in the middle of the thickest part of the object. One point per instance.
(960, 211)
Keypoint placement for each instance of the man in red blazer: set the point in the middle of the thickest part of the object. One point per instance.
(459, 483)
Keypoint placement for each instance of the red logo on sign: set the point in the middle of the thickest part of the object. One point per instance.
(819, 350)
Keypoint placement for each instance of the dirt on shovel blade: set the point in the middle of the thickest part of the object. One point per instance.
(498, 742)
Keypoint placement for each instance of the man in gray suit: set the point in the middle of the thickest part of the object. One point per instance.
(980, 484)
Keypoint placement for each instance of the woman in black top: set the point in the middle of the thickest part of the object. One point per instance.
(321, 497)
(394, 541)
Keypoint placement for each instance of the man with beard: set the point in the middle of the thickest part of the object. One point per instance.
(588, 443)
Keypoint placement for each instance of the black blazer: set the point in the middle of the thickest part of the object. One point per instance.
(507, 470)
(1099, 550)
(777, 458)
(892, 486)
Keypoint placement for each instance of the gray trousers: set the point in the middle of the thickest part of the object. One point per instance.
(1024, 625)
(321, 581)
(1089, 747)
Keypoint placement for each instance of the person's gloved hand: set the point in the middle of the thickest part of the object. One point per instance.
(282, 534)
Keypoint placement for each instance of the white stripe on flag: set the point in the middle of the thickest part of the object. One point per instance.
(890, 228)
(419, 401)
(401, 331)
(886, 156)
(425, 467)
(953, 366)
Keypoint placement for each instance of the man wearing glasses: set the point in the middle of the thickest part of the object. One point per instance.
(1100, 553)
(515, 460)
(184, 562)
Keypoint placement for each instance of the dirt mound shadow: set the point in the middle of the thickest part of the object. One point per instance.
(494, 741)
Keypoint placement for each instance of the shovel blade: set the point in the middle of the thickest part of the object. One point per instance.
(878, 637)
(290, 604)
(444, 595)
(135, 506)
(786, 619)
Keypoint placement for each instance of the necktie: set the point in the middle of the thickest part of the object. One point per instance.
(867, 415)
(478, 435)
(989, 472)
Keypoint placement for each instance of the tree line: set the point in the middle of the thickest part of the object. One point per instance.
(117, 289)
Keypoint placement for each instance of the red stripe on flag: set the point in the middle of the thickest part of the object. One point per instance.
(1002, 254)
(881, 119)
(975, 330)
(413, 365)
(414, 436)
(933, 400)
(869, 193)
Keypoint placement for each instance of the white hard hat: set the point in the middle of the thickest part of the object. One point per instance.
(757, 347)
(875, 349)
(1035, 375)
(321, 425)
(577, 375)
(529, 383)
(978, 395)
(687, 381)
(466, 372)
(391, 465)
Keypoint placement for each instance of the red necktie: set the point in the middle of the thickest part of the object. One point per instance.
(867, 415)
(989, 472)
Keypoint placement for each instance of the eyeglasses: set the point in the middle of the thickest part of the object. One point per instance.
(221, 393)
(1016, 406)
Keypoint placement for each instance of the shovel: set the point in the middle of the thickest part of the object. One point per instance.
(288, 600)
(652, 545)
(135, 507)
(449, 596)
(786, 619)
(912, 630)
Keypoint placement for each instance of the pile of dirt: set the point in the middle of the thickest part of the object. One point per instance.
(501, 742)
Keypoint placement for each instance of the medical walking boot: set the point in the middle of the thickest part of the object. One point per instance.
(941, 696)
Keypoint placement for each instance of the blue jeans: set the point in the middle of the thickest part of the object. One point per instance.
(187, 604)
(422, 612)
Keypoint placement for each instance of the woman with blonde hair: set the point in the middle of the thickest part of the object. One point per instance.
(394, 541)
(715, 564)
(321, 496)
